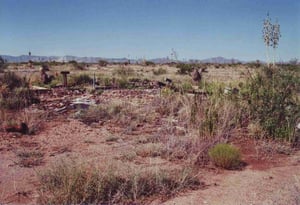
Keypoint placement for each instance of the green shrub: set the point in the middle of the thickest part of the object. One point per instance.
(225, 156)
(272, 99)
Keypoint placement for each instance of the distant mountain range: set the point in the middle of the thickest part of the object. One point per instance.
(26, 58)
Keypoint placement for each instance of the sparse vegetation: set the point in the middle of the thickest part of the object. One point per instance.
(146, 128)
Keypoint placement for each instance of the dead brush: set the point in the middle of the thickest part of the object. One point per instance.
(69, 182)
(35, 119)
(190, 148)
(202, 123)
(99, 113)
(268, 149)
(168, 104)
(124, 114)
(30, 158)
(150, 150)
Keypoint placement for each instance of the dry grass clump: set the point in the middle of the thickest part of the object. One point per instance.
(72, 183)
(268, 149)
(192, 125)
(30, 158)
(99, 113)
(150, 150)
(15, 92)
(82, 79)
(124, 71)
(121, 113)
(159, 71)
(129, 155)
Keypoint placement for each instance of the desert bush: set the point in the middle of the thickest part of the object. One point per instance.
(255, 64)
(76, 65)
(168, 104)
(185, 87)
(149, 63)
(81, 80)
(102, 63)
(150, 150)
(184, 69)
(112, 138)
(3, 64)
(15, 92)
(93, 114)
(225, 156)
(128, 155)
(216, 115)
(99, 113)
(11, 80)
(272, 99)
(71, 183)
(123, 82)
(159, 71)
(124, 71)
(30, 158)
(18, 98)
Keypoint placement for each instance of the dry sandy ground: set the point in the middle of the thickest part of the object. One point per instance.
(270, 185)
(277, 185)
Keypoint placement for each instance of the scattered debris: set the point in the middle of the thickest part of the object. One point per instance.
(22, 128)
(82, 102)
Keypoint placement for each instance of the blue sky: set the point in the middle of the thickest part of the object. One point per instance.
(147, 28)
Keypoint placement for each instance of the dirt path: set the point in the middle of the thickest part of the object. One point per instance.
(277, 185)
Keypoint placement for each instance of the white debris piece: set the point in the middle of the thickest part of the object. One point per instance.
(83, 102)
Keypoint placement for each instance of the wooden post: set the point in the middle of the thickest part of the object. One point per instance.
(65, 73)
(94, 81)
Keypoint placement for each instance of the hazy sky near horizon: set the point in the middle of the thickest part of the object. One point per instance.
(195, 29)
